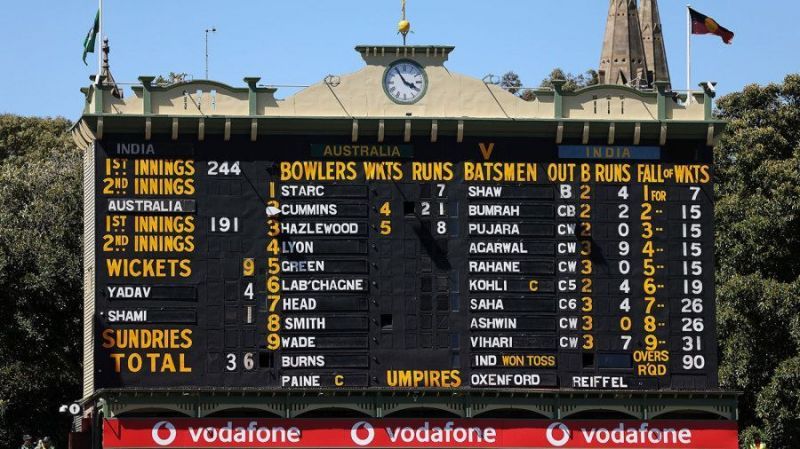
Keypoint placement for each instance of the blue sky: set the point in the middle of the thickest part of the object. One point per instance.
(299, 42)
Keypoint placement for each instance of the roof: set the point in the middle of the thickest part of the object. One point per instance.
(454, 104)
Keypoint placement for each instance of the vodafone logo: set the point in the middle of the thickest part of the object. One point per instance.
(357, 439)
(171, 433)
(365, 433)
(552, 434)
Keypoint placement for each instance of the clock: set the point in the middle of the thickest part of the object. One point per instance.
(405, 81)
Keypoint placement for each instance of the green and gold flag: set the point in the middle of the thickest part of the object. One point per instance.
(91, 37)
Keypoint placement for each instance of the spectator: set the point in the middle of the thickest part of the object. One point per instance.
(757, 444)
(27, 442)
(45, 443)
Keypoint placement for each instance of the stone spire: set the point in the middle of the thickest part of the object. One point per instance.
(108, 78)
(653, 37)
(623, 59)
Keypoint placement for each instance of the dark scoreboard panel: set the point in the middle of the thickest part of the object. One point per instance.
(301, 262)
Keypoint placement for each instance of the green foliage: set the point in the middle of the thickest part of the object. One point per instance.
(22, 136)
(779, 404)
(573, 82)
(40, 277)
(511, 82)
(758, 240)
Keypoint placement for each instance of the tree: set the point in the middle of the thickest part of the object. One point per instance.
(758, 239)
(40, 277)
(511, 82)
(528, 95)
(573, 82)
(21, 136)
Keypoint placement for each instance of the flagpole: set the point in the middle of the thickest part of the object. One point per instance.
(99, 44)
(688, 54)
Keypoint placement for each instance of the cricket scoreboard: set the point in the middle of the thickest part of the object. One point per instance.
(313, 262)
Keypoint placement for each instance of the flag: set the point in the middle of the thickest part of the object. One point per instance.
(702, 24)
(91, 36)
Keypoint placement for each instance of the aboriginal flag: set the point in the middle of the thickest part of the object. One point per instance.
(702, 24)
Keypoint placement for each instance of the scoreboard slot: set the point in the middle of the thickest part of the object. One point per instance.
(321, 341)
(529, 379)
(323, 303)
(324, 323)
(294, 210)
(512, 266)
(516, 360)
(130, 206)
(151, 316)
(510, 229)
(510, 210)
(516, 285)
(511, 192)
(321, 190)
(316, 360)
(505, 340)
(518, 248)
(317, 228)
(502, 304)
(516, 322)
(324, 284)
(156, 292)
(297, 266)
(294, 248)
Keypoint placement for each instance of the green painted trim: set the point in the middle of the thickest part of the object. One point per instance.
(252, 94)
(558, 97)
(187, 84)
(551, 404)
(98, 99)
(708, 99)
(618, 87)
(86, 100)
(661, 87)
(393, 65)
(147, 104)
(441, 120)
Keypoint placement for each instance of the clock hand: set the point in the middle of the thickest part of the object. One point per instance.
(410, 85)
(401, 75)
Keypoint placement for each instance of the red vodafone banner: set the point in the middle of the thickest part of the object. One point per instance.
(415, 433)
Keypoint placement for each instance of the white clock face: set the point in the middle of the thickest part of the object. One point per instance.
(405, 82)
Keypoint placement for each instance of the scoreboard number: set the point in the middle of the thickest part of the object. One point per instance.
(248, 267)
(247, 362)
(224, 224)
(224, 168)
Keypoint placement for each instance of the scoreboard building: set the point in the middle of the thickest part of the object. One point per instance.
(401, 257)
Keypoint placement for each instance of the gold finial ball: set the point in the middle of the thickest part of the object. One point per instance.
(404, 26)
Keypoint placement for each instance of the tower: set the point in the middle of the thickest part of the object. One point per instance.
(623, 60)
(108, 78)
(653, 39)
